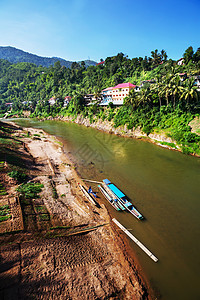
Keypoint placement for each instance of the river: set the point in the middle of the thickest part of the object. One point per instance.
(164, 186)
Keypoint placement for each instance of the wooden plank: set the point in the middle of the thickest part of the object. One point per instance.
(91, 180)
(134, 239)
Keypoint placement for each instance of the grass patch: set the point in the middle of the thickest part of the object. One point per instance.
(40, 208)
(3, 193)
(2, 190)
(5, 218)
(17, 175)
(6, 141)
(4, 213)
(44, 217)
(172, 145)
(4, 207)
(30, 190)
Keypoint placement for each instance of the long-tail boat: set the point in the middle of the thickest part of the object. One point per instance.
(121, 199)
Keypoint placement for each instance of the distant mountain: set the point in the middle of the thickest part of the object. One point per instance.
(15, 55)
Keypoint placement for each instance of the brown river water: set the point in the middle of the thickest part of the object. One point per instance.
(163, 185)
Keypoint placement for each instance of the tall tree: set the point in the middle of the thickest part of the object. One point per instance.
(190, 93)
(163, 55)
(188, 55)
(196, 56)
(156, 57)
(176, 89)
(132, 99)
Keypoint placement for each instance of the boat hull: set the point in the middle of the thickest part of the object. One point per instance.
(110, 200)
(121, 199)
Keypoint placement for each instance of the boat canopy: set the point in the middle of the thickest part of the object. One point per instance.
(115, 190)
(106, 181)
(128, 204)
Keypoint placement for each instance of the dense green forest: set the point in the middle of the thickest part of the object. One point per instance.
(15, 55)
(168, 105)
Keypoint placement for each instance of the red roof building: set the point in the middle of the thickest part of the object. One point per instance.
(100, 63)
(180, 61)
(121, 91)
(124, 85)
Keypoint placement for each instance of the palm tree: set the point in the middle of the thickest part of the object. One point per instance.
(170, 87)
(131, 99)
(145, 96)
(166, 92)
(158, 88)
(163, 55)
(176, 89)
(97, 94)
(190, 92)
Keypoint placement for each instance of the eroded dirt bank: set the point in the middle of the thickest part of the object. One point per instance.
(160, 139)
(69, 248)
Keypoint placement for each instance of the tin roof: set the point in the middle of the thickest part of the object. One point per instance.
(107, 89)
(116, 191)
(123, 85)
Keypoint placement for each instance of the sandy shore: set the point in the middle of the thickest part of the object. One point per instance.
(76, 253)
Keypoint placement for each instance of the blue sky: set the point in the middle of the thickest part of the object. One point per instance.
(81, 29)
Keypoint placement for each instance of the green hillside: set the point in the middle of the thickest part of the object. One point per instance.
(167, 105)
(15, 55)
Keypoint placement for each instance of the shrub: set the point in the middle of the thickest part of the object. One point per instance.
(44, 217)
(19, 176)
(4, 218)
(30, 190)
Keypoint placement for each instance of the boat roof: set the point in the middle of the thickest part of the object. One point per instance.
(115, 190)
(106, 181)
(128, 203)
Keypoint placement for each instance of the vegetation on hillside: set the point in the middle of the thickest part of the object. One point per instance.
(15, 55)
(168, 105)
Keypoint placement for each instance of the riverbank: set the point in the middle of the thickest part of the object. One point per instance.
(77, 253)
(160, 139)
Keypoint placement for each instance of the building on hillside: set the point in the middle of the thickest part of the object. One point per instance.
(137, 88)
(180, 62)
(106, 96)
(120, 91)
(197, 82)
(100, 63)
(26, 102)
(67, 100)
(89, 99)
(52, 101)
(8, 104)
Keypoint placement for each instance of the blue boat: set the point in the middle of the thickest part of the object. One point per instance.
(112, 196)
(110, 199)
(121, 199)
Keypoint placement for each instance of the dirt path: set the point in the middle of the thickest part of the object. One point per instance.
(53, 258)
